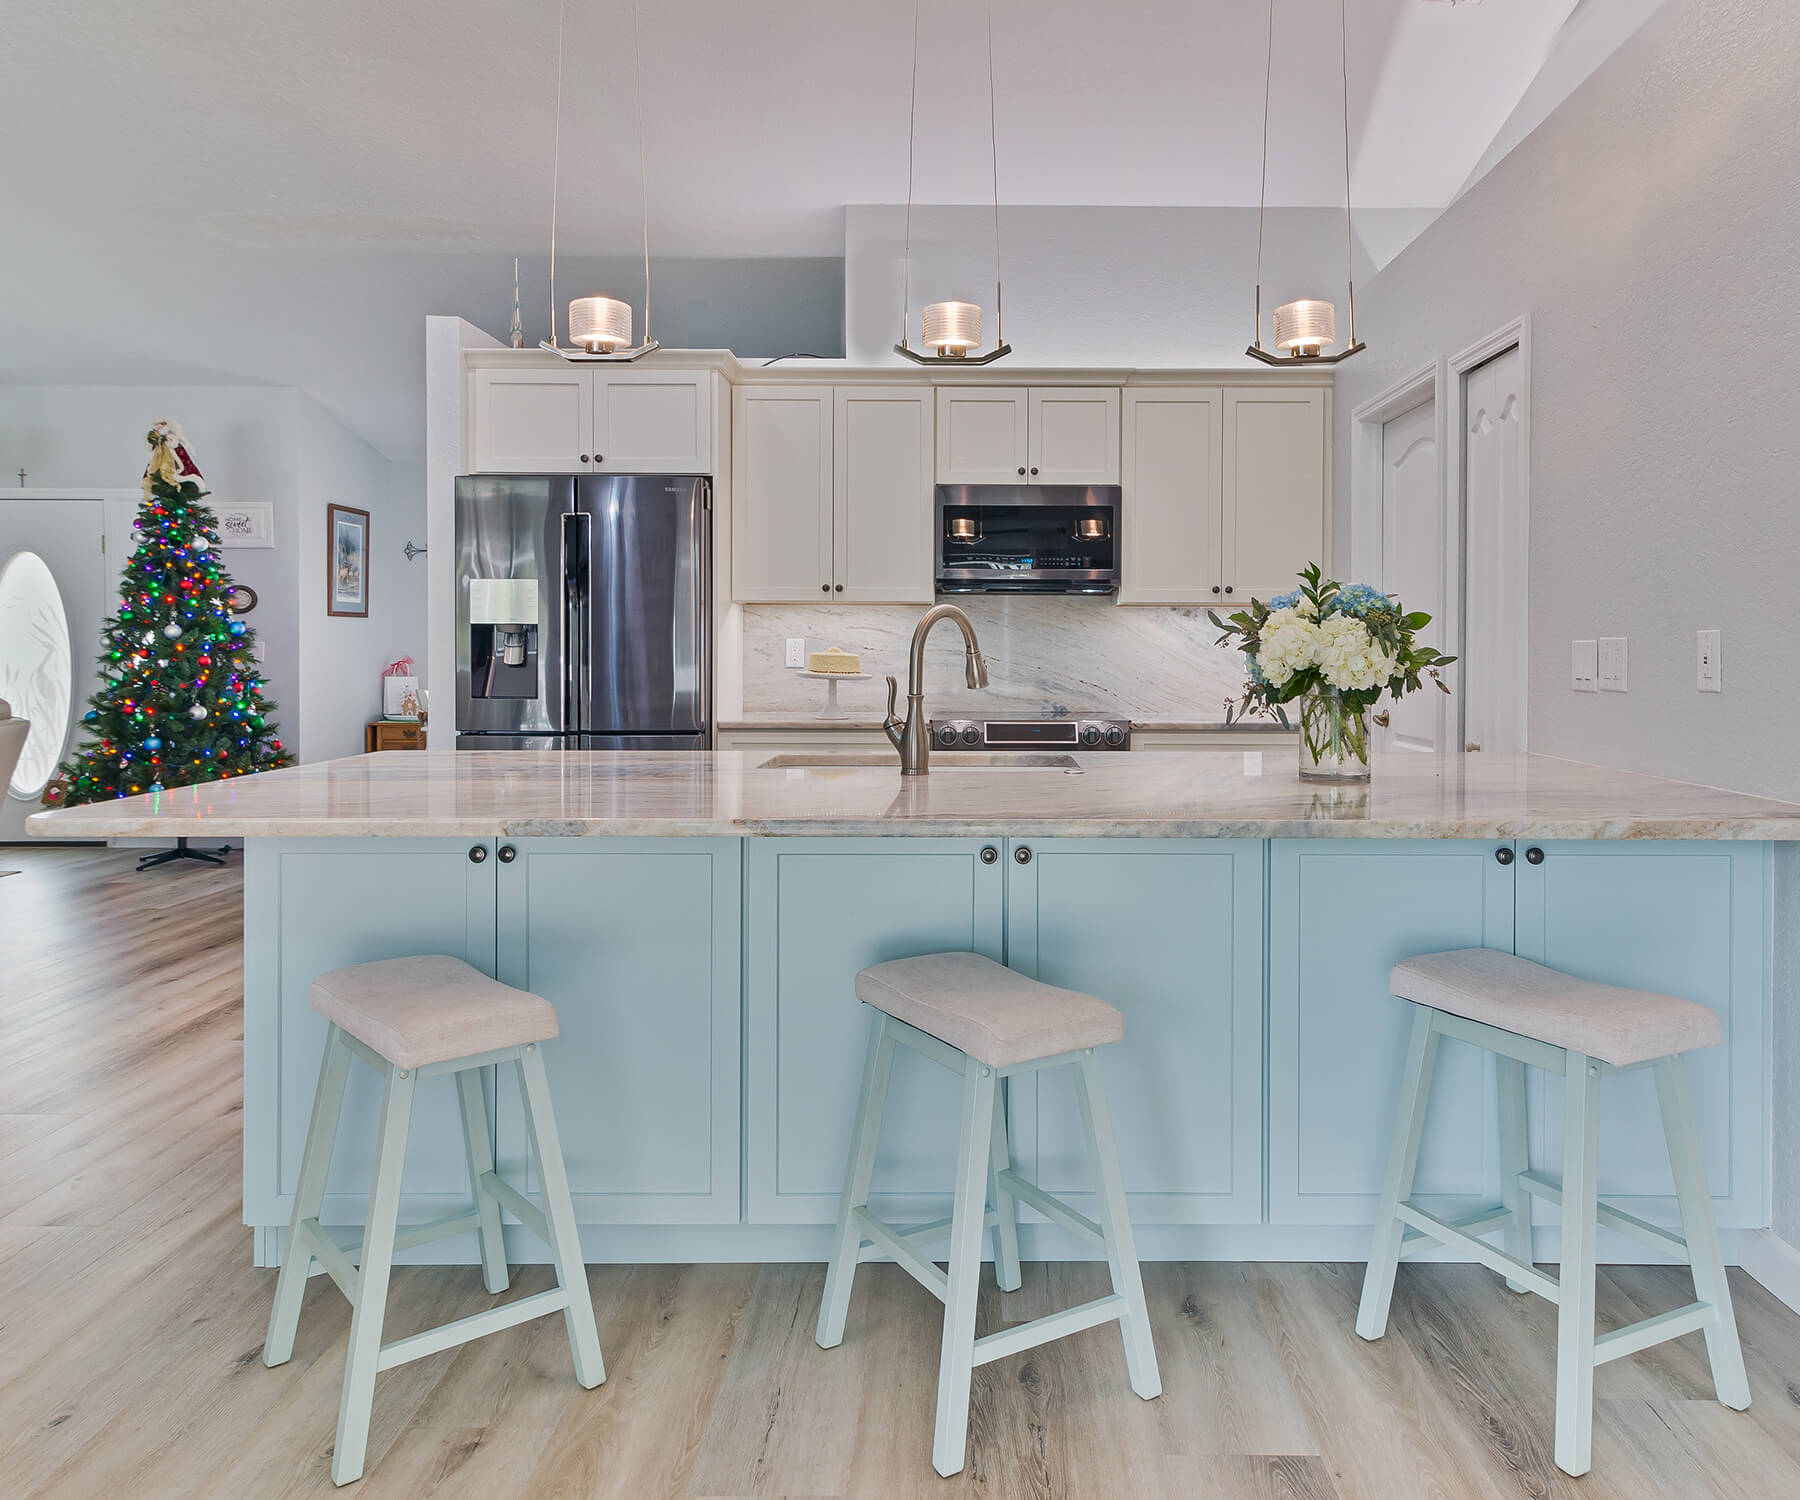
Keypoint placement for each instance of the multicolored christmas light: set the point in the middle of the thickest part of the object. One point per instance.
(180, 699)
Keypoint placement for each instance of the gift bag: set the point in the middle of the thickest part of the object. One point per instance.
(399, 690)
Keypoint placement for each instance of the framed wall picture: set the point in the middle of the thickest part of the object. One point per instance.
(346, 560)
(245, 523)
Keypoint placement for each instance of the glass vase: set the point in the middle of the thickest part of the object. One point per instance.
(1334, 737)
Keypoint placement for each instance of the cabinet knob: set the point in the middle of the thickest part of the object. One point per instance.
(599, 458)
(824, 588)
(478, 854)
(584, 458)
(1021, 469)
(1215, 588)
(1534, 856)
(508, 854)
(1228, 588)
(839, 587)
(1034, 468)
(1022, 855)
(989, 854)
(1504, 855)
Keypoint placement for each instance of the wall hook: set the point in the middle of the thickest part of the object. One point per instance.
(412, 551)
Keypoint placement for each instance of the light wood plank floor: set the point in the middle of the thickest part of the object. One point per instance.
(131, 1320)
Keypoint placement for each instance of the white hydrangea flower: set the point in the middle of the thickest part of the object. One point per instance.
(1290, 644)
(1348, 657)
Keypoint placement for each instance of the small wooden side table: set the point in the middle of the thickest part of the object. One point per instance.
(393, 734)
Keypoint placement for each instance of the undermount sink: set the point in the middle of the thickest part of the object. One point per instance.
(948, 760)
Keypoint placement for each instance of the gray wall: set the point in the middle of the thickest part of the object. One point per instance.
(1651, 229)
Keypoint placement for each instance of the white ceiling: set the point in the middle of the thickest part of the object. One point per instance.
(143, 135)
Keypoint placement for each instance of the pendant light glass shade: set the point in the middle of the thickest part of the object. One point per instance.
(1305, 327)
(952, 328)
(600, 325)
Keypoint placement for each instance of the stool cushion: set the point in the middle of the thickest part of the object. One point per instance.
(991, 1012)
(1616, 1025)
(428, 1009)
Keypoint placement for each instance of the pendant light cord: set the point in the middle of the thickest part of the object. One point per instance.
(912, 118)
(1262, 199)
(637, 69)
(556, 167)
(994, 158)
(1349, 236)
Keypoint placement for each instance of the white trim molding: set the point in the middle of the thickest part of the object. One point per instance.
(1773, 1264)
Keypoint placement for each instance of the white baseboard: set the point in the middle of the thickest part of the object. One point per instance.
(1774, 1263)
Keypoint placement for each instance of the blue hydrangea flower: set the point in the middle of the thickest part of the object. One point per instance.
(1285, 601)
(1256, 674)
(1359, 600)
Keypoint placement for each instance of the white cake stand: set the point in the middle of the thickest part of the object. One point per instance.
(831, 710)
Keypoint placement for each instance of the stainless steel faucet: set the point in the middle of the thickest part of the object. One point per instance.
(910, 737)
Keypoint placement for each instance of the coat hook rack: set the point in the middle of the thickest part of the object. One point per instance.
(412, 551)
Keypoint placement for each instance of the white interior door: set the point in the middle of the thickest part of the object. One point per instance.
(1493, 688)
(1412, 558)
(52, 600)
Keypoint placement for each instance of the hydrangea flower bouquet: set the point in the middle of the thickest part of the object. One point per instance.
(1335, 647)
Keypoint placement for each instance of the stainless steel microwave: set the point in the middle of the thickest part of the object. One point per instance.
(1027, 539)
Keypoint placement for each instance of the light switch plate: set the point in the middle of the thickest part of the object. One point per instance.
(1707, 668)
(796, 651)
(1612, 663)
(1584, 666)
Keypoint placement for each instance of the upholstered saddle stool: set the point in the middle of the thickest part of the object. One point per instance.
(1528, 1014)
(413, 1018)
(985, 1023)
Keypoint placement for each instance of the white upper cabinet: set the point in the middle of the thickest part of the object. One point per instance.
(535, 421)
(653, 421)
(1170, 524)
(563, 419)
(1074, 436)
(1040, 435)
(781, 502)
(981, 435)
(882, 495)
(1274, 514)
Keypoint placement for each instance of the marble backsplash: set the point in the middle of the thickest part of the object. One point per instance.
(1048, 656)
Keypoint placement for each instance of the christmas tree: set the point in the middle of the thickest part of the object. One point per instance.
(180, 698)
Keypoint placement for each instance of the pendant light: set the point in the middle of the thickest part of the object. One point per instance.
(1304, 329)
(600, 327)
(951, 330)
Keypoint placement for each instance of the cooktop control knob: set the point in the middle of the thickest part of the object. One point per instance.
(1115, 736)
(946, 735)
(971, 735)
(1090, 735)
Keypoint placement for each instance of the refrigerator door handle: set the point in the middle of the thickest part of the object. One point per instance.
(577, 670)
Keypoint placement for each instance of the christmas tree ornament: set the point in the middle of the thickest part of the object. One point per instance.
(160, 696)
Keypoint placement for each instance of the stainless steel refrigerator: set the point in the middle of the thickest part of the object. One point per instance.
(582, 614)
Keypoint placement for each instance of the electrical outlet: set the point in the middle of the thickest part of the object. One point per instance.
(796, 651)
(1612, 663)
(1706, 661)
(1584, 666)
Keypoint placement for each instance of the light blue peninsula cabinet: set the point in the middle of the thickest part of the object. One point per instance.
(1686, 917)
(817, 911)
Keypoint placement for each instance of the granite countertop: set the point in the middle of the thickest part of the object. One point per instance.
(809, 722)
(1169, 794)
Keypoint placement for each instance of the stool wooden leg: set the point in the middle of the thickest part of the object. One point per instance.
(956, 1358)
(846, 1243)
(1514, 1159)
(1575, 1295)
(1730, 1384)
(478, 1151)
(1115, 1222)
(364, 1356)
(309, 1196)
(559, 1210)
(1006, 1208)
(1403, 1161)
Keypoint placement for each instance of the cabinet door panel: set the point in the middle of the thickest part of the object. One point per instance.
(1074, 435)
(636, 942)
(312, 906)
(532, 421)
(981, 435)
(1274, 489)
(819, 911)
(1170, 933)
(1341, 914)
(882, 497)
(781, 493)
(1681, 919)
(653, 422)
(1172, 523)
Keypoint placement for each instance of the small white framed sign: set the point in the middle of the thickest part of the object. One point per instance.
(246, 523)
